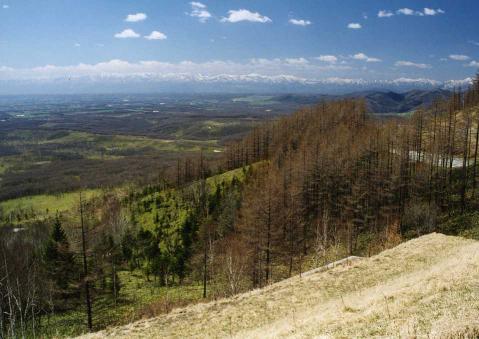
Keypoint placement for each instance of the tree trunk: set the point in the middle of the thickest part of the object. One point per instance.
(85, 270)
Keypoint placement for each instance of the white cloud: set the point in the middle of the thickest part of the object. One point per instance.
(198, 10)
(327, 58)
(432, 12)
(5, 6)
(473, 64)
(155, 35)
(459, 57)
(364, 57)
(245, 15)
(425, 12)
(474, 42)
(136, 17)
(406, 11)
(455, 84)
(127, 33)
(77, 44)
(354, 25)
(266, 62)
(279, 69)
(300, 22)
(385, 14)
(197, 4)
(297, 61)
(411, 64)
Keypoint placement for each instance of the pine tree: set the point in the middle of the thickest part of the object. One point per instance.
(59, 259)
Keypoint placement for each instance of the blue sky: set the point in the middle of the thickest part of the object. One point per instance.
(300, 40)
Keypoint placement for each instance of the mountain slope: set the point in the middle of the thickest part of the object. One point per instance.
(427, 286)
(377, 101)
(392, 102)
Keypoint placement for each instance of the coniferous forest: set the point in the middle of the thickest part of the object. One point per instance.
(297, 192)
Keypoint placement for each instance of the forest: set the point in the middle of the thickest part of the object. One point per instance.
(328, 181)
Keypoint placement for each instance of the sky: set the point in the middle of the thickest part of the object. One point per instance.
(44, 43)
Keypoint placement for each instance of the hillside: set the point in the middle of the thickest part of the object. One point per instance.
(391, 102)
(377, 101)
(426, 286)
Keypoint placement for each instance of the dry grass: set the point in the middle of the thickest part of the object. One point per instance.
(427, 287)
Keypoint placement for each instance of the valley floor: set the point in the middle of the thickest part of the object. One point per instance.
(426, 287)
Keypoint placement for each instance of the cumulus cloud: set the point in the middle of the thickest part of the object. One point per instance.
(459, 57)
(239, 15)
(126, 34)
(328, 58)
(406, 11)
(155, 35)
(354, 25)
(181, 71)
(297, 61)
(410, 12)
(411, 64)
(5, 6)
(385, 14)
(432, 12)
(197, 4)
(198, 10)
(473, 64)
(135, 17)
(364, 57)
(300, 22)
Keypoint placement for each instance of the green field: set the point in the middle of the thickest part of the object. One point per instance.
(93, 146)
(42, 206)
(5, 164)
(258, 100)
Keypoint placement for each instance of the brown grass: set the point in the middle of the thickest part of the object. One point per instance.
(427, 287)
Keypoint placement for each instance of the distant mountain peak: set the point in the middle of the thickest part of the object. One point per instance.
(220, 83)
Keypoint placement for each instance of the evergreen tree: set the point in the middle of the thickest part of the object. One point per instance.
(59, 259)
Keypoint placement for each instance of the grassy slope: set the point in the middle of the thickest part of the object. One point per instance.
(65, 202)
(427, 286)
(40, 203)
(147, 219)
